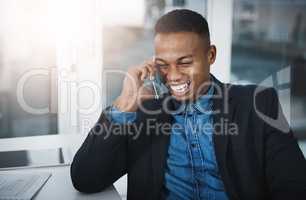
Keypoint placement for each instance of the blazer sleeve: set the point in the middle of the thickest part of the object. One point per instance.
(285, 163)
(102, 158)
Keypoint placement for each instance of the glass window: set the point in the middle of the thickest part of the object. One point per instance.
(178, 2)
(50, 52)
(27, 58)
(269, 48)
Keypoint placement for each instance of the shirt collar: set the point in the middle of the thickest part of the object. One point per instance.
(203, 103)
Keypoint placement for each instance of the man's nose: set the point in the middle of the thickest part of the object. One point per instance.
(173, 74)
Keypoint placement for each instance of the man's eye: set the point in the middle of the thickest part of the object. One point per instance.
(161, 65)
(185, 63)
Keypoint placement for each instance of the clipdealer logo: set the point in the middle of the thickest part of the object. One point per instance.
(281, 82)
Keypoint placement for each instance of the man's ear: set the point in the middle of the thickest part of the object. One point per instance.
(212, 53)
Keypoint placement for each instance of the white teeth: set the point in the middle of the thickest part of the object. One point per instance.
(179, 88)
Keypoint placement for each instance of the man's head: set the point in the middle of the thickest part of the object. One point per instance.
(183, 53)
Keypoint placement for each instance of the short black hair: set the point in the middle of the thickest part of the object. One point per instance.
(183, 20)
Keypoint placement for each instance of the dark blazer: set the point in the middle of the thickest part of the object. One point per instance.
(260, 162)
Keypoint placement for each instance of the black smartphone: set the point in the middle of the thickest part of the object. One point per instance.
(157, 84)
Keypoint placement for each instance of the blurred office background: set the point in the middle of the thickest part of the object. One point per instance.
(264, 43)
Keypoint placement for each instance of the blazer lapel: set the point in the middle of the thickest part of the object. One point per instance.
(159, 148)
(220, 136)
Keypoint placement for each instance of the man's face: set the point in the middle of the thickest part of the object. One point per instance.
(183, 60)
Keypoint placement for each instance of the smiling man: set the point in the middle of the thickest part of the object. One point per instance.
(203, 140)
(183, 58)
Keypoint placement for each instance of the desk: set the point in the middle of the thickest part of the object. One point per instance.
(59, 186)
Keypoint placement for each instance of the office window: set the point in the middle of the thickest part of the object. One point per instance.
(50, 79)
(179, 2)
(27, 59)
(269, 48)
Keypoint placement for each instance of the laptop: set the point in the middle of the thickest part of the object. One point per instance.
(21, 186)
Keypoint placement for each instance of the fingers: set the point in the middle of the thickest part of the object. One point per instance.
(143, 72)
(151, 68)
(147, 70)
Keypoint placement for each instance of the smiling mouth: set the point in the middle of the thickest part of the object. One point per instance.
(180, 89)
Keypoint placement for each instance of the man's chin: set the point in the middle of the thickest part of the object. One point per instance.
(185, 97)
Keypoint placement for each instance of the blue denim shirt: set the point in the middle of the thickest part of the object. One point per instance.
(191, 171)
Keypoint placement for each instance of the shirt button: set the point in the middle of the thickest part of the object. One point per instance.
(193, 145)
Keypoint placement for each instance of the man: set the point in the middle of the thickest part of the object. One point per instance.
(206, 140)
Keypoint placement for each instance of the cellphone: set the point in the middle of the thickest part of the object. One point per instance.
(157, 84)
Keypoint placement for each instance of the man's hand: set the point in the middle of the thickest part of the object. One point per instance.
(133, 90)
